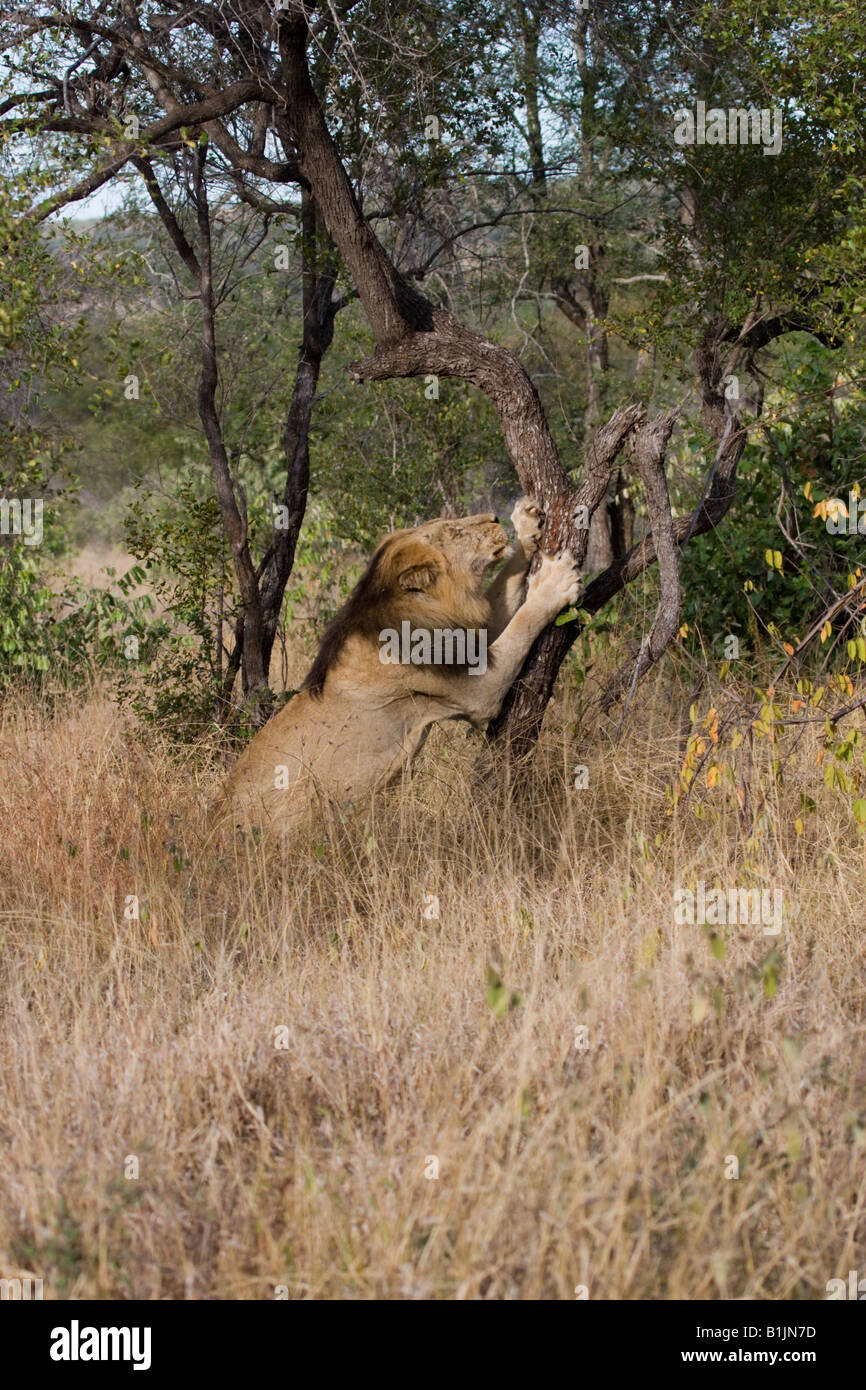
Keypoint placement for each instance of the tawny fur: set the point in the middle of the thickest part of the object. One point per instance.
(358, 722)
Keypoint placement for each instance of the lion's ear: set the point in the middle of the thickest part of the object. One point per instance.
(411, 566)
(418, 578)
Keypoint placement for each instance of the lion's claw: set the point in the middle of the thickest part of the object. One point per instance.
(556, 583)
(527, 518)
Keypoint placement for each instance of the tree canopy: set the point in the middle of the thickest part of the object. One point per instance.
(400, 258)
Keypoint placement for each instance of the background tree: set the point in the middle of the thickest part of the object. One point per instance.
(735, 249)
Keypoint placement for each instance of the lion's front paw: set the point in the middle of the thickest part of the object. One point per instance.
(556, 583)
(527, 519)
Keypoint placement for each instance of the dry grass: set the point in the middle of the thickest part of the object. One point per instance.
(296, 1159)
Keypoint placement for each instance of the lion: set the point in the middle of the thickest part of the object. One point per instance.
(418, 641)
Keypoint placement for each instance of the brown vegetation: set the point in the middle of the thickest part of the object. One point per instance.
(296, 1159)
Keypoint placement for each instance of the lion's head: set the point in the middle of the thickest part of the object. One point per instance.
(431, 575)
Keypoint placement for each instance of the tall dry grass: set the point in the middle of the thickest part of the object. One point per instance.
(281, 1044)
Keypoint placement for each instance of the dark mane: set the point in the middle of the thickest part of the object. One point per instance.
(358, 614)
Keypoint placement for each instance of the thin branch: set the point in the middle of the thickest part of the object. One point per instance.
(170, 222)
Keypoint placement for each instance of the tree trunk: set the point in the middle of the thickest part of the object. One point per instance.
(415, 339)
(530, 34)
(320, 311)
(261, 590)
(253, 672)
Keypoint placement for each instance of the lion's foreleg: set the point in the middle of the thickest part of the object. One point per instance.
(555, 585)
(506, 590)
(505, 593)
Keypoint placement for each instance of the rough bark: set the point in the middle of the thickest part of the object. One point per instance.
(519, 721)
(414, 338)
(650, 447)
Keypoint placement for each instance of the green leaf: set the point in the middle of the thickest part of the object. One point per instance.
(500, 998)
(772, 965)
